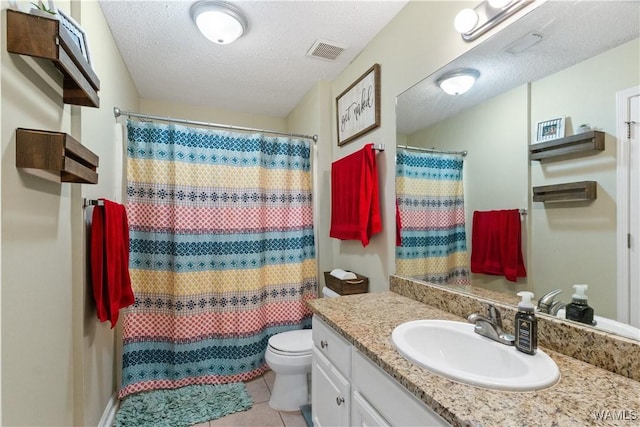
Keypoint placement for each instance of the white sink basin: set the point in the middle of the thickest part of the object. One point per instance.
(454, 350)
(609, 325)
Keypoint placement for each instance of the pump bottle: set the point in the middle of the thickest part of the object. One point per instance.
(526, 325)
(578, 310)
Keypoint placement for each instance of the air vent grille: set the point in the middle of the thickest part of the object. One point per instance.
(326, 50)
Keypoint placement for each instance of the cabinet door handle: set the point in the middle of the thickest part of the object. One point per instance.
(339, 400)
(324, 344)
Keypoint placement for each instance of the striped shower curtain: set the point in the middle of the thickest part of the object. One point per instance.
(429, 194)
(221, 253)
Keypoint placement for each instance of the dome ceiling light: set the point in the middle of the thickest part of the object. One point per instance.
(457, 82)
(472, 23)
(218, 21)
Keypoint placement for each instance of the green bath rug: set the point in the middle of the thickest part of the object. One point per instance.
(183, 406)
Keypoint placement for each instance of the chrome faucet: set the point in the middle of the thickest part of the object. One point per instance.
(490, 325)
(546, 302)
(555, 307)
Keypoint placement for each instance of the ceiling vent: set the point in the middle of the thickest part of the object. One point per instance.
(324, 49)
(523, 43)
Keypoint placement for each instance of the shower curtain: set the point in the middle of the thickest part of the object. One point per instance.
(221, 253)
(429, 192)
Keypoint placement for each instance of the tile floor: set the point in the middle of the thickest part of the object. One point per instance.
(260, 414)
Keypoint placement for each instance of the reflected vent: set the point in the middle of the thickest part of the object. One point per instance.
(326, 50)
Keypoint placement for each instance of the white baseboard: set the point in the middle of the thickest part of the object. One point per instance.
(109, 414)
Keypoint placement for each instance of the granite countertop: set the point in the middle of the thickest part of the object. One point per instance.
(367, 320)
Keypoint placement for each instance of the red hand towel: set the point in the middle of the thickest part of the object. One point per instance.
(496, 244)
(355, 205)
(398, 226)
(110, 261)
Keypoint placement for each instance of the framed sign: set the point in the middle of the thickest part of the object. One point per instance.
(77, 34)
(550, 129)
(358, 107)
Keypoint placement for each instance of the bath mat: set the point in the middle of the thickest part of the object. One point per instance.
(183, 406)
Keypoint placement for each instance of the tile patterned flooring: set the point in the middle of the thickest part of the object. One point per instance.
(260, 414)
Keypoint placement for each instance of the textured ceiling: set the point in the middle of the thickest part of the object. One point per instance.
(572, 32)
(264, 72)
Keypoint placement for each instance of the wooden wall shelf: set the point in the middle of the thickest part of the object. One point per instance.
(56, 156)
(570, 192)
(571, 146)
(40, 37)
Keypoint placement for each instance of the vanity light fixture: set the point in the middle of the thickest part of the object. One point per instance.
(218, 21)
(466, 20)
(472, 23)
(499, 4)
(457, 82)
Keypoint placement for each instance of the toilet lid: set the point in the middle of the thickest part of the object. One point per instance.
(292, 341)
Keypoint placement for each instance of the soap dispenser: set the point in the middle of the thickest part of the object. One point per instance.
(579, 310)
(526, 324)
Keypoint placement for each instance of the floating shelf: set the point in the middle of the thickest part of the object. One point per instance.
(571, 146)
(40, 37)
(570, 192)
(55, 156)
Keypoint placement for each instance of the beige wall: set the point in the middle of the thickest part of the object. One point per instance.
(211, 115)
(576, 242)
(2, 44)
(312, 116)
(57, 359)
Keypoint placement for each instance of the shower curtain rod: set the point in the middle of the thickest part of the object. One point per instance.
(117, 113)
(433, 150)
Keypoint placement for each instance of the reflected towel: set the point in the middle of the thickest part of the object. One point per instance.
(110, 260)
(355, 205)
(496, 244)
(398, 226)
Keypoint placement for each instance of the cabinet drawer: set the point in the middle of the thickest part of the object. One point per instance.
(332, 346)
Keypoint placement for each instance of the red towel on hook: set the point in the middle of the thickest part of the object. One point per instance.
(496, 244)
(355, 204)
(110, 260)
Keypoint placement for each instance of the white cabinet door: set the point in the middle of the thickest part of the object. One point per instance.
(330, 400)
(364, 415)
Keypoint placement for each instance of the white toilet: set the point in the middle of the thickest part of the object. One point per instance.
(289, 357)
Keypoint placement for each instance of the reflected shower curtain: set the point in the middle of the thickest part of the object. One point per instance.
(221, 253)
(429, 192)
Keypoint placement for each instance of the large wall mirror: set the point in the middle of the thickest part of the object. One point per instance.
(564, 59)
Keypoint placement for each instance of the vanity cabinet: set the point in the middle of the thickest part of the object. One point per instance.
(363, 414)
(330, 377)
(387, 403)
(350, 390)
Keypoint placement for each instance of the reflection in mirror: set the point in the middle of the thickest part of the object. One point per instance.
(562, 60)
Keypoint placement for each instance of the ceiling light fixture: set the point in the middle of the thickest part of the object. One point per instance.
(472, 23)
(457, 82)
(218, 21)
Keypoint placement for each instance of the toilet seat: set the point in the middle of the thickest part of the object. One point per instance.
(292, 343)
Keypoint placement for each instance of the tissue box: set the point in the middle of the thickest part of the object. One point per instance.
(347, 287)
